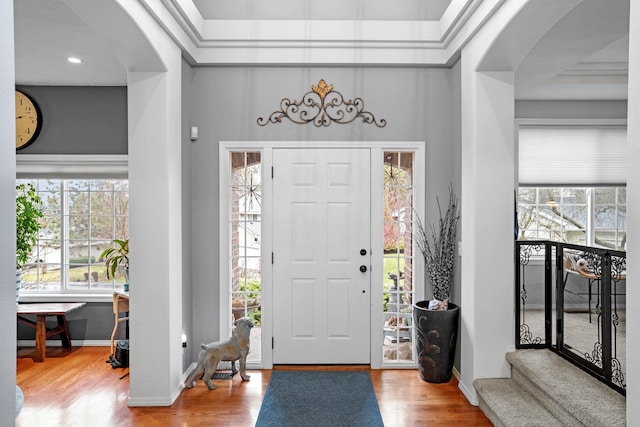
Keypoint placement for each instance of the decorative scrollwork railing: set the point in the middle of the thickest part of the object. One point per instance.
(595, 356)
(322, 106)
(560, 288)
(526, 251)
(526, 337)
(524, 255)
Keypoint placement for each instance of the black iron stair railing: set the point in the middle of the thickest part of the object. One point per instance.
(571, 300)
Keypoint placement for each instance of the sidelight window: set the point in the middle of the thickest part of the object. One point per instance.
(246, 240)
(398, 261)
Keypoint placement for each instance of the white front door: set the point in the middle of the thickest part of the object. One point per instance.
(321, 259)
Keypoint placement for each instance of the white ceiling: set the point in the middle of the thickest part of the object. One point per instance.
(47, 32)
(601, 76)
(584, 58)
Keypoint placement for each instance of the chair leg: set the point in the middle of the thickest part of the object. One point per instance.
(113, 334)
(590, 283)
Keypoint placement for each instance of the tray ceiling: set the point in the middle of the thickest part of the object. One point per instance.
(362, 10)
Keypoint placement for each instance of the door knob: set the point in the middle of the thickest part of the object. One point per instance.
(363, 252)
(363, 268)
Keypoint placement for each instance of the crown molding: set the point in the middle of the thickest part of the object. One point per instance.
(594, 72)
(320, 42)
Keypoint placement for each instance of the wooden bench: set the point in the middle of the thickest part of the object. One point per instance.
(42, 311)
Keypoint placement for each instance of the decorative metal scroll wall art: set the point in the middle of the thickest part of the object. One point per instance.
(322, 106)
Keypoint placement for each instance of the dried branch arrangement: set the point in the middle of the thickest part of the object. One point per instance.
(438, 250)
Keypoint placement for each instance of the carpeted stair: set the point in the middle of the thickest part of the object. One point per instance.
(546, 390)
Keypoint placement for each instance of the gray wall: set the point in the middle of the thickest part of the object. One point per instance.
(187, 230)
(418, 104)
(456, 99)
(93, 322)
(81, 120)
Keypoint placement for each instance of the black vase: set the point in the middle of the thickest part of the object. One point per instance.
(436, 336)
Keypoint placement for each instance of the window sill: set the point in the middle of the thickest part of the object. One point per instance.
(66, 297)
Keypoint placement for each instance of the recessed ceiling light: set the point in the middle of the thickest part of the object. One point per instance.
(74, 60)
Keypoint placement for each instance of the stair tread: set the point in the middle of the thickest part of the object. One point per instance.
(586, 398)
(512, 405)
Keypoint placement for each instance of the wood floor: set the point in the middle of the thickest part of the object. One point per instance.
(80, 389)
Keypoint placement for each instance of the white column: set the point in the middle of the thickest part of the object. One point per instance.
(487, 203)
(489, 183)
(7, 217)
(154, 63)
(156, 236)
(633, 218)
(487, 196)
(488, 171)
(155, 231)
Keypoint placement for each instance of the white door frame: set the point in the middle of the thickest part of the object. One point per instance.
(265, 147)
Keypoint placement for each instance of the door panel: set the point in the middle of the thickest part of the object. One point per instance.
(321, 222)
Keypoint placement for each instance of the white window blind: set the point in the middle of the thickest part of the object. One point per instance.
(569, 155)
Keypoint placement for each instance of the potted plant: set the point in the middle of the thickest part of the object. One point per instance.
(245, 300)
(28, 214)
(239, 309)
(437, 320)
(116, 256)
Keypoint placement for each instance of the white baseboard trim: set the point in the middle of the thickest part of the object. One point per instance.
(571, 307)
(74, 343)
(456, 373)
(176, 392)
(188, 372)
(471, 395)
(151, 401)
(158, 401)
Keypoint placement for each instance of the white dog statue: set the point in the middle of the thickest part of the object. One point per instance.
(235, 348)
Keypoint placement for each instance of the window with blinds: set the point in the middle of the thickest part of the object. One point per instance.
(572, 155)
(572, 184)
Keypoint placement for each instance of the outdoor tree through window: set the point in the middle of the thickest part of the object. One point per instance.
(591, 216)
(81, 219)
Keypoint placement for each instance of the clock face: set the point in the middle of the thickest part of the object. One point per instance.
(28, 120)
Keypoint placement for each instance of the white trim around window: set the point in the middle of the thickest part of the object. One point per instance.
(62, 166)
(72, 166)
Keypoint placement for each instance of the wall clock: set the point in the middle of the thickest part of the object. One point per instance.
(28, 120)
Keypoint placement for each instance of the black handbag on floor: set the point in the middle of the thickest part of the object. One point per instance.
(121, 357)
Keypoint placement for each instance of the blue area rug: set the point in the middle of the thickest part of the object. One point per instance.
(319, 398)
